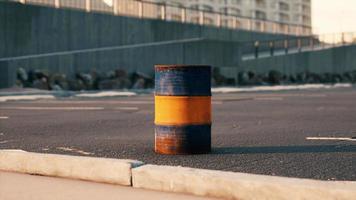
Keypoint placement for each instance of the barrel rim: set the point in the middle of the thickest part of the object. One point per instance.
(182, 96)
(167, 66)
(183, 124)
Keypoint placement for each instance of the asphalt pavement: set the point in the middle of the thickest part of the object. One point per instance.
(260, 132)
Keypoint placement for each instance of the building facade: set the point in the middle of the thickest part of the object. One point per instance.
(273, 16)
(285, 12)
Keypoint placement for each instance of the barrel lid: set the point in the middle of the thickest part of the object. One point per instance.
(177, 66)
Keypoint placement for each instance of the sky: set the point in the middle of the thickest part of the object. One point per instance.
(333, 16)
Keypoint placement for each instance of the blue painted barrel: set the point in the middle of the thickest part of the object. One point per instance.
(182, 109)
(183, 139)
(183, 80)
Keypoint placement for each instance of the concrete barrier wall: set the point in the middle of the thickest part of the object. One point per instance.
(225, 55)
(30, 29)
(216, 53)
(7, 75)
(334, 60)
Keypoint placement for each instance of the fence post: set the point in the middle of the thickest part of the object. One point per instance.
(334, 42)
(286, 46)
(87, 5)
(57, 4)
(274, 27)
(163, 11)
(299, 45)
(184, 14)
(287, 29)
(218, 20)
(235, 23)
(249, 25)
(271, 46)
(201, 17)
(257, 45)
(298, 30)
(115, 7)
(140, 9)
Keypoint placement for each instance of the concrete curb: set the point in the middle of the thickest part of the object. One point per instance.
(239, 186)
(210, 183)
(104, 170)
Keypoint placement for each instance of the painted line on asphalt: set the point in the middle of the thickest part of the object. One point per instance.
(126, 102)
(25, 97)
(268, 99)
(4, 117)
(93, 102)
(106, 94)
(67, 149)
(127, 108)
(332, 138)
(229, 99)
(5, 141)
(52, 108)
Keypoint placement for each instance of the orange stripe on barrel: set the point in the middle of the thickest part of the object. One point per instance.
(182, 110)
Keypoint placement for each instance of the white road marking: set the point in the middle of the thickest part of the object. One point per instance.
(74, 150)
(268, 98)
(106, 94)
(52, 108)
(94, 102)
(25, 97)
(4, 141)
(278, 88)
(127, 108)
(4, 117)
(331, 138)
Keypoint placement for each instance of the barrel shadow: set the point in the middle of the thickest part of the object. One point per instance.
(285, 149)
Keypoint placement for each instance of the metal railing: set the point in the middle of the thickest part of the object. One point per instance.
(266, 48)
(153, 10)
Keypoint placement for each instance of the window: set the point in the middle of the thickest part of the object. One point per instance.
(236, 2)
(196, 7)
(306, 20)
(306, 9)
(230, 11)
(208, 21)
(206, 8)
(176, 4)
(260, 3)
(284, 17)
(283, 6)
(260, 15)
(202, 7)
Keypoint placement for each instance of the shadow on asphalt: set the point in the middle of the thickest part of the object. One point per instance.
(285, 149)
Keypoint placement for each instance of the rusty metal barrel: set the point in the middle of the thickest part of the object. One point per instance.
(182, 109)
